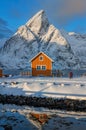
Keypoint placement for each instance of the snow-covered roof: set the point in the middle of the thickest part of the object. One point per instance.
(39, 54)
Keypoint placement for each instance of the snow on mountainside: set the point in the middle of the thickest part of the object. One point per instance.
(78, 45)
(2, 42)
(35, 36)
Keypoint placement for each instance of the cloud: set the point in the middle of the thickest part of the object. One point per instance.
(64, 10)
(71, 8)
(4, 30)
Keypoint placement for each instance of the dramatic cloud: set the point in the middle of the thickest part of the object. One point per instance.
(4, 30)
(64, 10)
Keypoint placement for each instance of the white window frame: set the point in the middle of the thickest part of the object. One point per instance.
(43, 66)
(38, 66)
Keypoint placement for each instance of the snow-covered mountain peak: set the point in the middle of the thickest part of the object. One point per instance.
(38, 23)
(71, 33)
(39, 27)
(79, 37)
(57, 36)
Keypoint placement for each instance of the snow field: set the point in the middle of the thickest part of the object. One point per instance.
(44, 87)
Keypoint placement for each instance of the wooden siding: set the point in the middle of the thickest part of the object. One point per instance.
(45, 62)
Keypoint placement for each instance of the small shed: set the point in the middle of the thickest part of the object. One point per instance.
(1, 72)
(41, 65)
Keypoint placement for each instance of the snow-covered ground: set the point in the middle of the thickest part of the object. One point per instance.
(74, 88)
(19, 118)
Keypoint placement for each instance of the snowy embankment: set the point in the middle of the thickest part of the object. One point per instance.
(44, 87)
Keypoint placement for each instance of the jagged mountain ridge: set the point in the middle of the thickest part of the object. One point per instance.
(35, 36)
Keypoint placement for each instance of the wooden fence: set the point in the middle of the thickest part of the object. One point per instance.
(26, 73)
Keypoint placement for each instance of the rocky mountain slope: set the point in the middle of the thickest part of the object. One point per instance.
(78, 45)
(2, 42)
(35, 36)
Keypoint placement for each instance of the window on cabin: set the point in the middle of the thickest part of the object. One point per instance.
(38, 67)
(43, 67)
(41, 58)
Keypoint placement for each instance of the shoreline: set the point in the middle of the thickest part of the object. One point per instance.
(50, 103)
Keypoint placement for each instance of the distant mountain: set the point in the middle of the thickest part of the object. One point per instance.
(78, 45)
(35, 36)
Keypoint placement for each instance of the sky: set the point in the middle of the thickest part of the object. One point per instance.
(69, 15)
